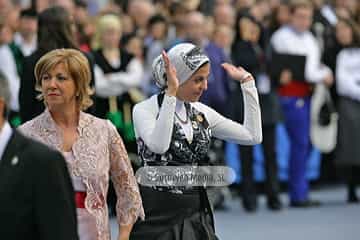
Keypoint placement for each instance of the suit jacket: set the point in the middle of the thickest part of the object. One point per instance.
(244, 54)
(36, 193)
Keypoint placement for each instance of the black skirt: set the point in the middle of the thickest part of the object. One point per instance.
(170, 216)
(348, 151)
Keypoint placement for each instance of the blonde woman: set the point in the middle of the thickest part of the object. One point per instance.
(116, 71)
(91, 146)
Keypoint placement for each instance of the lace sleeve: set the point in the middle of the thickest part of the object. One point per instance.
(129, 205)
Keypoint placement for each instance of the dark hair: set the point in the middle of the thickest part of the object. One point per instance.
(55, 30)
(126, 38)
(81, 3)
(242, 15)
(28, 12)
(354, 28)
(157, 18)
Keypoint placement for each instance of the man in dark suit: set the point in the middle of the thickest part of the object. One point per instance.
(36, 193)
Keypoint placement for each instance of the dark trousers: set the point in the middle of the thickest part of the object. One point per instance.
(270, 164)
(297, 123)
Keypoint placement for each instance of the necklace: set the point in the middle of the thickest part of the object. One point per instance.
(182, 121)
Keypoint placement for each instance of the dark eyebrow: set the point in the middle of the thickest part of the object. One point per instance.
(200, 78)
(61, 74)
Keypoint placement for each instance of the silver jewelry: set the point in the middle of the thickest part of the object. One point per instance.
(182, 121)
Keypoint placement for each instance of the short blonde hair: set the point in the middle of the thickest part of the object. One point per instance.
(77, 66)
(103, 23)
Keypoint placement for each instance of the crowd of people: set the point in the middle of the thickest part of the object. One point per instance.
(168, 76)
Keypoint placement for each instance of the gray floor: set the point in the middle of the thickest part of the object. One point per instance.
(334, 220)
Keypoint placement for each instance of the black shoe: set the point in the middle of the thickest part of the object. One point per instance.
(305, 204)
(249, 204)
(352, 198)
(274, 204)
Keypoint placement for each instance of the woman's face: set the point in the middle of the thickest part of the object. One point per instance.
(193, 88)
(58, 88)
(135, 46)
(158, 31)
(344, 33)
(110, 37)
(249, 31)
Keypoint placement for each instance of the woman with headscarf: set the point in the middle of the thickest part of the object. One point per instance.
(174, 129)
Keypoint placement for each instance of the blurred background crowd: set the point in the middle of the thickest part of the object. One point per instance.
(121, 39)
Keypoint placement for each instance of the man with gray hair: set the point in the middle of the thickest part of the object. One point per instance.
(36, 194)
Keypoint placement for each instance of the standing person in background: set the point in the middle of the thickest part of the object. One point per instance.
(154, 42)
(26, 37)
(56, 29)
(11, 65)
(140, 11)
(92, 147)
(133, 44)
(348, 89)
(223, 36)
(174, 129)
(280, 16)
(117, 73)
(342, 38)
(296, 39)
(218, 91)
(345, 29)
(247, 52)
(36, 194)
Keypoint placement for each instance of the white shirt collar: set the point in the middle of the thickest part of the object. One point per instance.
(179, 105)
(5, 135)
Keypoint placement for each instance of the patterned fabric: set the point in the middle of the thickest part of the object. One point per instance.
(98, 151)
(181, 152)
(185, 57)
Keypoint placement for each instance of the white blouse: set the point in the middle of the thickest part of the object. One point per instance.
(288, 41)
(348, 73)
(155, 126)
(117, 83)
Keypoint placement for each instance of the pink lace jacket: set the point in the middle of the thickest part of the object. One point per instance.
(98, 151)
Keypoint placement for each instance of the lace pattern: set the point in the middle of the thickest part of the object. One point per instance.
(98, 151)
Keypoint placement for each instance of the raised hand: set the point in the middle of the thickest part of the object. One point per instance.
(237, 73)
(172, 80)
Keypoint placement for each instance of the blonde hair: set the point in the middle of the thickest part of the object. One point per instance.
(103, 23)
(78, 67)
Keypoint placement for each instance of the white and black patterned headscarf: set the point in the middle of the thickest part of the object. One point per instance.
(185, 57)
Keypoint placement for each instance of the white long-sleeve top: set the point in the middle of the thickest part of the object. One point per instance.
(155, 126)
(26, 48)
(8, 68)
(348, 73)
(287, 40)
(117, 83)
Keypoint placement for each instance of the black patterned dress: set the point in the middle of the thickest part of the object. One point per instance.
(176, 213)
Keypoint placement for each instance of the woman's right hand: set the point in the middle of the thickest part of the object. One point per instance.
(172, 80)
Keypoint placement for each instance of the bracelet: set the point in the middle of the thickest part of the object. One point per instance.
(245, 77)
